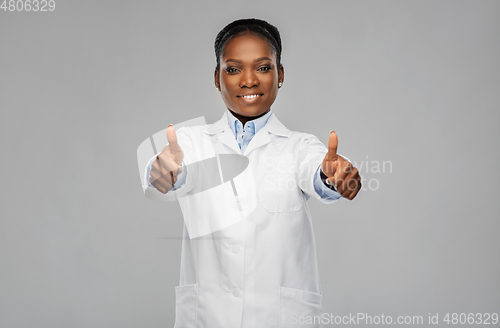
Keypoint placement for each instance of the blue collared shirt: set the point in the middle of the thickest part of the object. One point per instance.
(244, 135)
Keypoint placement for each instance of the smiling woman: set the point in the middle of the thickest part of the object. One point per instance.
(249, 75)
(249, 70)
(261, 270)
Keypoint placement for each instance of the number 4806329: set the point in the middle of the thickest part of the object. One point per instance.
(28, 5)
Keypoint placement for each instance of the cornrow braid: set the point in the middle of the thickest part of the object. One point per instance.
(261, 27)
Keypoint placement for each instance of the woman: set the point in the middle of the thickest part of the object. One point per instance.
(260, 271)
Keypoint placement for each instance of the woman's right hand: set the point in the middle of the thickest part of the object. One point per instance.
(167, 166)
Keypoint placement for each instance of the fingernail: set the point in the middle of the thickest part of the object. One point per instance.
(332, 131)
(169, 125)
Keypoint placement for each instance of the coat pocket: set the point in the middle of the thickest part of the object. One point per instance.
(283, 202)
(186, 306)
(300, 308)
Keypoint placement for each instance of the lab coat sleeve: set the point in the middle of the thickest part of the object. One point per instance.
(309, 156)
(185, 182)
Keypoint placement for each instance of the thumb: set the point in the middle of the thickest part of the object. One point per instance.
(172, 139)
(333, 143)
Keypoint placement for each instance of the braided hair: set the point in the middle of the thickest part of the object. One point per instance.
(258, 26)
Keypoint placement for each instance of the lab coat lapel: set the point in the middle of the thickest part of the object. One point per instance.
(223, 132)
(261, 138)
(227, 138)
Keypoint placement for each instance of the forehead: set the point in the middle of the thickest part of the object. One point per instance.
(247, 46)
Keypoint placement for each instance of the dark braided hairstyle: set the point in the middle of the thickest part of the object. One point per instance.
(258, 26)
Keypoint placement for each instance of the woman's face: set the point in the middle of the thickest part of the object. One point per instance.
(248, 77)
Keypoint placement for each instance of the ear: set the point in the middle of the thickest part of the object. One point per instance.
(281, 74)
(216, 79)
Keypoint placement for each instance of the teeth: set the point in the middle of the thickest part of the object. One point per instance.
(250, 96)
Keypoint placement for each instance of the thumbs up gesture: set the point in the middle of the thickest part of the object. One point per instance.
(167, 166)
(340, 173)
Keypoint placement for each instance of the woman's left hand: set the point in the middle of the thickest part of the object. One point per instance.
(341, 173)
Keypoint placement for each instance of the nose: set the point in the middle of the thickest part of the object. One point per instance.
(249, 79)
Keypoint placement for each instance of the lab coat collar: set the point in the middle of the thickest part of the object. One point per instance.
(226, 136)
(273, 126)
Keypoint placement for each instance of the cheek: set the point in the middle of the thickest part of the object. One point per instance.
(227, 98)
(272, 83)
(229, 79)
(273, 89)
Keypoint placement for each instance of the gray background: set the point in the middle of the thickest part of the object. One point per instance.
(411, 82)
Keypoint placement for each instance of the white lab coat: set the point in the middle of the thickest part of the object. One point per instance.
(259, 271)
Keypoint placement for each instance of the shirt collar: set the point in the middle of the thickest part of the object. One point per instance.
(273, 126)
(257, 123)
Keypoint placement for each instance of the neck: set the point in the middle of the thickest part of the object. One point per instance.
(244, 119)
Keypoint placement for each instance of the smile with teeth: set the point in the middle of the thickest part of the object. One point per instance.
(249, 96)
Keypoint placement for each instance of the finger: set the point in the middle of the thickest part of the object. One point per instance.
(341, 175)
(354, 193)
(354, 185)
(332, 146)
(162, 184)
(157, 171)
(350, 180)
(329, 167)
(345, 192)
(169, 164)
(353, 182)
(172, 139)
(335, 183)
(154, 173)
(159, 187)
(170, 178)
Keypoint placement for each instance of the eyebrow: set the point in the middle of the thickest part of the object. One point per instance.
(257, 60)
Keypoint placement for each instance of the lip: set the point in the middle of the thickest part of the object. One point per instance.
(249, 101)
(250, 94)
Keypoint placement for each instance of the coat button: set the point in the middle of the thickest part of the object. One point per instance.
(236, 293)
(236, 249)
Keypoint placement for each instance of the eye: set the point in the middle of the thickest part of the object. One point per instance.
(231, 70)
(265, 68)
